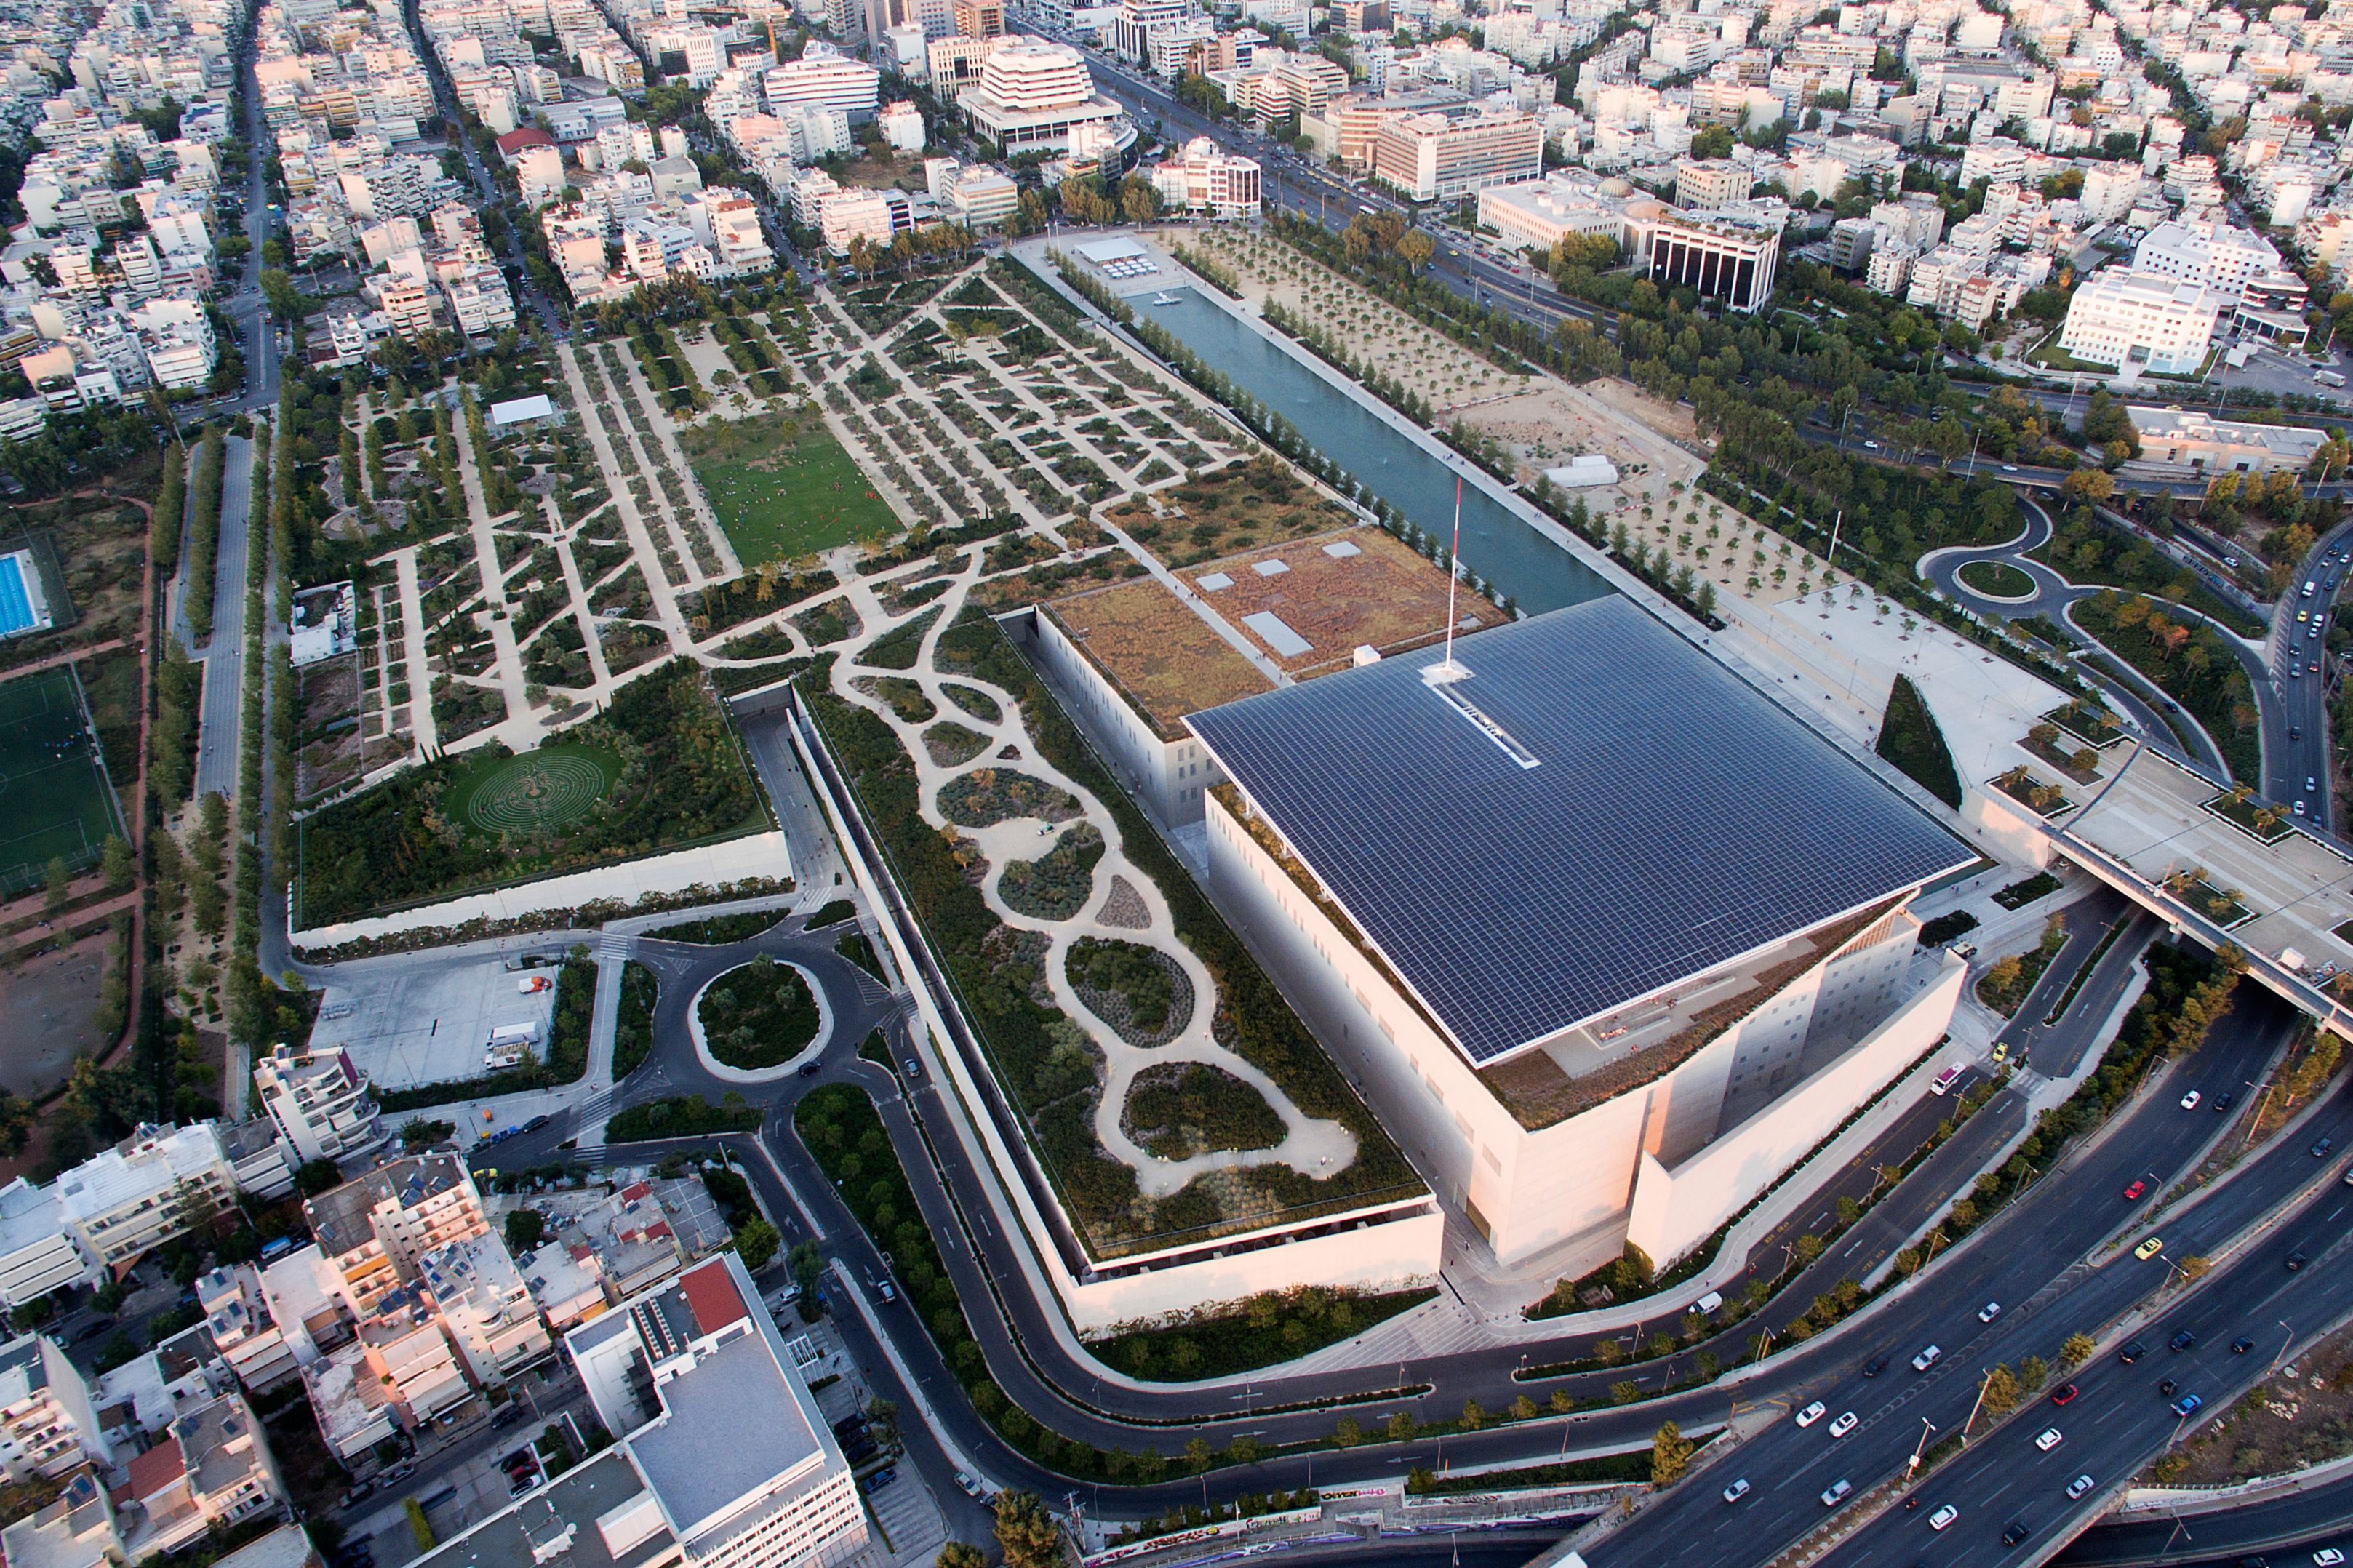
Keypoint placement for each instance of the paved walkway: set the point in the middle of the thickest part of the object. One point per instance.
(413, 655)
(223, 707)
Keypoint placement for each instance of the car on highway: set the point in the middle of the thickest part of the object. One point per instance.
(2241, 1345)
(1812, 1412)
(1874, 1366)
(2328, 1557)
(2133, 1193)
(2010, 467)
(2321, 1147)
(2015, 1533)
(2299, 805)
(2078, 1486)
(2147, 1250)
(810, 1070)
(2189, 1101)
(1989, 1311)
(2066, 1394)
(1944, 1517)
(1736, 1490)
(2222, 1101)
(1835, 1493)
(2188, 1404)
(1927, 1358)
(2132, 1350)
(912, 1070)
(2295, 1261)
(2047, 1439)
(1845, 1424)
(2295, 731)
(2182, 1341)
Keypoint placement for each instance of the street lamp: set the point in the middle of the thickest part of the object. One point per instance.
(1926, 1426)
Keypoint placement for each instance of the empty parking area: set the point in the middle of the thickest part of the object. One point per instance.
(429, 1022)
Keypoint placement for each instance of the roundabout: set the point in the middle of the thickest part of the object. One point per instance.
(769, 1016)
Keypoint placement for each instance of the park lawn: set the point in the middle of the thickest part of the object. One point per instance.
(785, 489)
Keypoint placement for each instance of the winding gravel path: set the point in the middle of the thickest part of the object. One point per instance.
(1311, 1145)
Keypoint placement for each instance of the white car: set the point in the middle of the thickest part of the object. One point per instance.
(1845, 1424)
(1943, 1517)
(1736, 1490)
(1989, 1311)
(2190, 1101)
(2082, 1484)
(2050, 1439)
(1836, 1492)
(1812, 1414)
(1927, 1358)
(2328, 1557)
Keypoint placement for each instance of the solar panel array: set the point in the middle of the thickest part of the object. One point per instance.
(1675, 820)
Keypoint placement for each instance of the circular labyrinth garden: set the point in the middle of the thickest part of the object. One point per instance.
(539, 790)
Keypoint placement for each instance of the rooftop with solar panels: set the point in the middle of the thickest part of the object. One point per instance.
(1586, 838)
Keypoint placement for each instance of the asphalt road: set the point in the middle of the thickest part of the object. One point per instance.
(2122, 1416)
(223, 705)
(2297, 690)
(2040, 1265)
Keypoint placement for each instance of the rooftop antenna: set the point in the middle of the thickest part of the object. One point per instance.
(1448, 669)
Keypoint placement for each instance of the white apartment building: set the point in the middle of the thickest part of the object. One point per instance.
(47, 1424)
(738, 1467)
(1891, 267)
(485, 1307)
(824, 80)
(77, 1530)
(727, 222)
(38, 1251)
(2144, 320)
(1437, 157)
(480, 301)
(126, 1201)
(1037, 97)
(238, 1318)
(321, 1104)
(1205, 180)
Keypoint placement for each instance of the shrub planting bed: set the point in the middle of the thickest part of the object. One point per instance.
(759, 1015)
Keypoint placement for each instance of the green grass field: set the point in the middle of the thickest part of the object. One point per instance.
(547, 786)
(783, 489)
(54, 803)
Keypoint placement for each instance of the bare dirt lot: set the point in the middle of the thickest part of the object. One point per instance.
(46, 1009)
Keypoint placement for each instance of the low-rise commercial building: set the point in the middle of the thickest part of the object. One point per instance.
(2191, 442)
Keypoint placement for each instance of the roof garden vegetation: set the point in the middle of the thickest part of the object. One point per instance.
(2042, 798)
(1057, 884)
(680, 780)
(1271, 1327)
(1909, 738)
(1180, 1109)
(2086, 720)
(2191, 663)
(1041, 1058)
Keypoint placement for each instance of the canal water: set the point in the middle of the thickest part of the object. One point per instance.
(1538, 574)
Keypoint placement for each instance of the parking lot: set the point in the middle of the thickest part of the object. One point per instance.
(430, 1023)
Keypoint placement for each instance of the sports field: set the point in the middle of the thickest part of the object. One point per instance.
(54, 803)
(784, 488)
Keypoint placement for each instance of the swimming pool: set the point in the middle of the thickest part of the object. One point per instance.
(16, 604)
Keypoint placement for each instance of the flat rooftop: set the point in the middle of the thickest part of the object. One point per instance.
(1305, 605)
(1595, 812)
(734, 1425)
(511, 1538)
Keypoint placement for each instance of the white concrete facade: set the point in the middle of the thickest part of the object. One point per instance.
(1529, 1190)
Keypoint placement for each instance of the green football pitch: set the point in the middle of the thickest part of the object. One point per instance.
(54, 803)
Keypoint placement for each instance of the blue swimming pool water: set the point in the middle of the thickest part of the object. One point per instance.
(16, 604)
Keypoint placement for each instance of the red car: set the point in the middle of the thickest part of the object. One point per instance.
(2135, 1191)
(2064, 1393)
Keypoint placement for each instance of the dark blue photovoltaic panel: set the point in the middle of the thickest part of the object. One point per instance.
(1675, 818)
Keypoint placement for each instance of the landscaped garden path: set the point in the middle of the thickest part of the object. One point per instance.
(1123, 904)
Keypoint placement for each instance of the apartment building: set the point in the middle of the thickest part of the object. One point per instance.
(2145, 320)
(76, 1529)
(485, 1307)
(1438, 157)
(1206, 181)
(47, 1423)
(237, 1317)
(38, 1251)
(128, 1200)
(322, 1103)
(822, 79)
(1701, 185)
(212, 1471)
(375, 1230)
